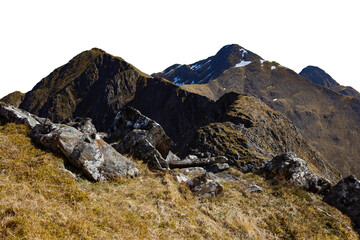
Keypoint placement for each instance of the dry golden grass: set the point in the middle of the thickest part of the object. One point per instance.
(41, 200)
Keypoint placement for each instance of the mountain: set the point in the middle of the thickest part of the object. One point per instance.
(328, 120)
(208, 69)
(320, 77)
(97, 85)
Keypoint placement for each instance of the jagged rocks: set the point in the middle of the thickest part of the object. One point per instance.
(141, 137)
(180, 177)
(94, 157)
(82, 124)
(296, 171)
(345, 196)
(205, 185)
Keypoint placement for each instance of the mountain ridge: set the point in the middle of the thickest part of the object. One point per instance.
(327, 119)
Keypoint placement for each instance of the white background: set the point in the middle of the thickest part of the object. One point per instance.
(39, 36)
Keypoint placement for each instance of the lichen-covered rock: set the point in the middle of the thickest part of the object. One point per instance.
(180, 177)
(10, 113)
(82, 124)
(205, 185)
(194, 161)
(141, 137)
(296, 171)
(94, 157)
(345, 196)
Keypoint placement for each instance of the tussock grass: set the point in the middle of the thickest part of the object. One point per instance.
(39, 199)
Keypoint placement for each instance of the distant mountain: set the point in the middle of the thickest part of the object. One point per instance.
(320, 77)
(330, 121)
(208, 69)
(96, 84)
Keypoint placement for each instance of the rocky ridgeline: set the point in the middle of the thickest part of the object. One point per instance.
(140, 137)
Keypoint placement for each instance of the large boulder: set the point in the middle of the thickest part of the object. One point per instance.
(135, 134)
(9, 113)
(92, 155)
(205, 185)
(345, 196)
(296, 171)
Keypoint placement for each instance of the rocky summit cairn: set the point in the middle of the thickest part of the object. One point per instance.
(295, 169)
(345, 196)
(135, 134)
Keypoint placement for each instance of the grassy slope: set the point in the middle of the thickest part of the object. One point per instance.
(40, 200)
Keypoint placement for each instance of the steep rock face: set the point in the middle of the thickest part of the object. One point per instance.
(320, 77)
(208, 69)
(328, 120)
(14, 98)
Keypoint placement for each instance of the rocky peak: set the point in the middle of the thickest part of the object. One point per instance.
(208, 69)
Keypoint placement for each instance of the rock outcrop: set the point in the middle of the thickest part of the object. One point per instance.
(135, 134)
(295, 169)
(10, 113)
(345, 196)
(88, 152)
(80, 144)
(205, 185)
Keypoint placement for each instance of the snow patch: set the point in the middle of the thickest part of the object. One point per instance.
(275, 99)
(243, 63)
(243, 51)
(273, 67)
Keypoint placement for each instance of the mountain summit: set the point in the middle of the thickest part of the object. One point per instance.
(330, 121)
(208, 69)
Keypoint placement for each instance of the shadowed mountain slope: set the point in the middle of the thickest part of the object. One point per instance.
(330, 121)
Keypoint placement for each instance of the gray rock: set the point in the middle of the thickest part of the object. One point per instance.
(135, 134)
(9, 113)
(205, 185)
(253, 188)
(193, 161)
(171, 157)
(193, 170)
(296, 170)
(217, 167)
(88, 152)
(82, 124)
(180, 177)
(345, 196)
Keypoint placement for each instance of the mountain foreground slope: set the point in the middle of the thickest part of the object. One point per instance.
(40, 199)
(328, 120)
